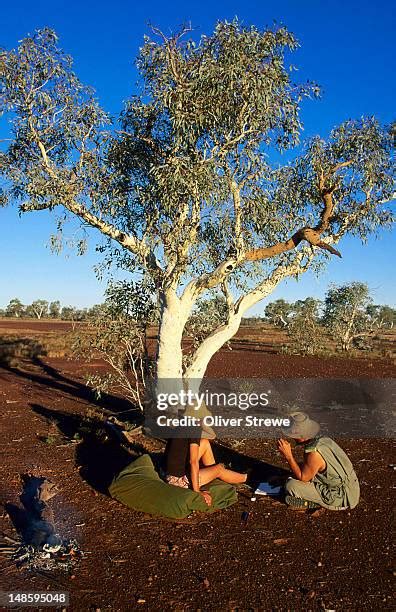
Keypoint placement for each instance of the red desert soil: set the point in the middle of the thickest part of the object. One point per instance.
(280, 560)
(34, 325)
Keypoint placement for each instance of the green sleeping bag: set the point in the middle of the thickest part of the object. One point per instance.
(139, 486)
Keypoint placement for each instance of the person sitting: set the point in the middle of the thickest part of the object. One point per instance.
(183, 459)
(326, 477)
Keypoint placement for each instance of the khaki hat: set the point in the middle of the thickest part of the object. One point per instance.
(301, 426)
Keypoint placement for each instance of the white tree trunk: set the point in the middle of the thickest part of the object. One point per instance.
(173, 318)
(196, 371)
(174, 314)
(209, 347)
(169, 351)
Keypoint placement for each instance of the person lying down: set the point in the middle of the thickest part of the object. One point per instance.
(190, 463)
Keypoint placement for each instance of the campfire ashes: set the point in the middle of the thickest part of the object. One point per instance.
(38, 546)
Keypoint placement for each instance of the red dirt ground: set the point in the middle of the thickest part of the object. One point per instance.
(279, 561)
(34, 325)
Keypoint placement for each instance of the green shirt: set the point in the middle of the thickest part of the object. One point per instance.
(338, 484)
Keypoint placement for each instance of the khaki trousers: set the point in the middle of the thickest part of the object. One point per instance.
(307, 491)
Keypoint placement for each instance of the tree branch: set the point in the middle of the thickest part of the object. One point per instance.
(228, 296)
(236, 196)
(282, 271)
(311, 234)
(225, 332)
(127, 241)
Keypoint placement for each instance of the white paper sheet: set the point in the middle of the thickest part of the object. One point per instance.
(265, 488)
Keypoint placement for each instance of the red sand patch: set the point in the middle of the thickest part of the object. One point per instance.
(339, 561)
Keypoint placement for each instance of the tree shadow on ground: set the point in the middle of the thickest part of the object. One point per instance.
(259, 470)
(51, 378)
(100, 456)
(98, 453)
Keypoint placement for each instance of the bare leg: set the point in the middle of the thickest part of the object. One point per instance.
(207, 474)
(206, 453)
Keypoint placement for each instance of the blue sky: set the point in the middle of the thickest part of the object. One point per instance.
(347, 47)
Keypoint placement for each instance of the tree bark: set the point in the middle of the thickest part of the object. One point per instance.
(174, 314)
(222, 334)
(173, 317)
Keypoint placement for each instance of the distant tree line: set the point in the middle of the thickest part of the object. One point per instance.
(347, 315)
(43, 309)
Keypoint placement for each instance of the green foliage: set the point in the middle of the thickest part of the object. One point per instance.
(213, 106)
(301, 321)
(349, 316)
(196, 136)
(362, 187)
(15, 308)
(116, 332)
(70, 313)
(48, 102)
(54, 309)
(277, 312)
(42, 308)
(385, 315)
(37, 309)
(206, 316)
(132, 300)
(304, 329)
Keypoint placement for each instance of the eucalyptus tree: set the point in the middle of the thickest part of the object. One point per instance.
(277, 312)
(54, 309)
(301, 321)
(307, 336)
(385, 315)
(38, 309)
(15, 308)
(350, 316)
(183, 187)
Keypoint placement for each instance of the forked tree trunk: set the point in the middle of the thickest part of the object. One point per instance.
(210, 346)
(175, 312)
(170, 375)
(224, 333)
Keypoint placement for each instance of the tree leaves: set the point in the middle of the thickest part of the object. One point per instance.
(208, 114)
